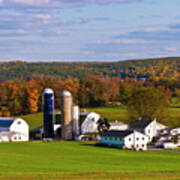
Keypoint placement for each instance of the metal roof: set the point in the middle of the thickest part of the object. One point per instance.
(118, 133)
(140, 124)
(117, 123)
(6, 121)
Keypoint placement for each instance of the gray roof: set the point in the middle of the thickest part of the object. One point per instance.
(140, 124)
(117, 123)
(6, 121)
(121, 134)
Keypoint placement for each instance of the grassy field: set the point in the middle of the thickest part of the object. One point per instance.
(77, 160)
(111, 113)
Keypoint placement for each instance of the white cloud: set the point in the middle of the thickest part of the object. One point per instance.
(32, 2)
(44, 17)
(171, 48)
(121, 41)
(20, 31)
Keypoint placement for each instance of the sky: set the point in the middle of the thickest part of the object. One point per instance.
(88, 30)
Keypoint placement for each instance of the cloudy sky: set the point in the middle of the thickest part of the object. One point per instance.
(88, 30)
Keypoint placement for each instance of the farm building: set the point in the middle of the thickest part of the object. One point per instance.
(117, 125)
(147, 127)
(175, 132)
(90, 124)
(128, 139)
(13, 129)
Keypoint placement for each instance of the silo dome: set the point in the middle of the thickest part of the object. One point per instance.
(65, 93)
(48, 91)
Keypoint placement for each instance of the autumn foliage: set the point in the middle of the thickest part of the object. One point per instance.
(25, 97)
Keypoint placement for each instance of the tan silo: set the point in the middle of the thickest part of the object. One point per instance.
(66, 110)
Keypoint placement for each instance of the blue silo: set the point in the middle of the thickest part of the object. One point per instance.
(48, 108)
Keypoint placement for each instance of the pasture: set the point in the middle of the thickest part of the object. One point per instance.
(112, 113)
(78, 160)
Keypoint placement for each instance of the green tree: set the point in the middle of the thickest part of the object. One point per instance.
(125, 94)
(148, 103)
(103, 125)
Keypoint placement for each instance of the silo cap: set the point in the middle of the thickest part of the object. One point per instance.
(65, 93)
(48, 91)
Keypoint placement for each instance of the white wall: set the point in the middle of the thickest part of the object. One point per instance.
(18, 138)
(21, 127)
(136, 140)
(151, 130)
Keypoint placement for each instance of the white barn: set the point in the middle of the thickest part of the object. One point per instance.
(13, 129)
(90, 124)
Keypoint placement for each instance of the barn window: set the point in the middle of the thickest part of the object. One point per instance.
(19, 137)
(137, 139)
(19, 122)
(15, 138)
(142, 145)
(129, 139)
(143, 138)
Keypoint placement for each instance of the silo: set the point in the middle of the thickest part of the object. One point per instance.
(75, 123)
(66, 110)
(48, 109)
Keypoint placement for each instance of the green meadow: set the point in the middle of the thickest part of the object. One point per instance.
(78, 160)
(112, 113)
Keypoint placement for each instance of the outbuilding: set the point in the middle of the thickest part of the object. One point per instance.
(13, 129)
(128, 139)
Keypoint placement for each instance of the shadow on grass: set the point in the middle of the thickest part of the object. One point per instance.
(98, 145)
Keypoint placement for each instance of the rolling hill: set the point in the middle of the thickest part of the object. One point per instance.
(161, 67)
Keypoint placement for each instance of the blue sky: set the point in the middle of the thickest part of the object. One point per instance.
(88, 30)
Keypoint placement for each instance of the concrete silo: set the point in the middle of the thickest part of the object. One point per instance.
(75, 121)
(48, 109)
(66, 110)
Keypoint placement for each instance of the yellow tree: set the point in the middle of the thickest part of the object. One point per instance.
(32, 96)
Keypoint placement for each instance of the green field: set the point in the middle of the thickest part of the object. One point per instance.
(77, 160)
(111, 113)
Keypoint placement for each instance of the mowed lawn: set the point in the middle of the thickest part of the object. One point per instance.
(77, 160)
(119, 113)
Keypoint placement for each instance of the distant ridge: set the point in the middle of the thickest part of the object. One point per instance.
(168, 67)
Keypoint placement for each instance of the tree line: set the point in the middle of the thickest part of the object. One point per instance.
(136, 69)
(25, 97)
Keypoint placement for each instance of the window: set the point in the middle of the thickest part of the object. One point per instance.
(149, 131)
(115, 138)
(137, 139)
(142, 145)
(137, 145)
(129, 139)
(19, 137)
(15, 138)
(143, 138)
(19, 122)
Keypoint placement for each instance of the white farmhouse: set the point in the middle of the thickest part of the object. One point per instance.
(128, 139)
(13, 129)
(147, 127)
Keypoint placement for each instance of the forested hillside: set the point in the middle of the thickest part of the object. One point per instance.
(91, 84)
(162, 67)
